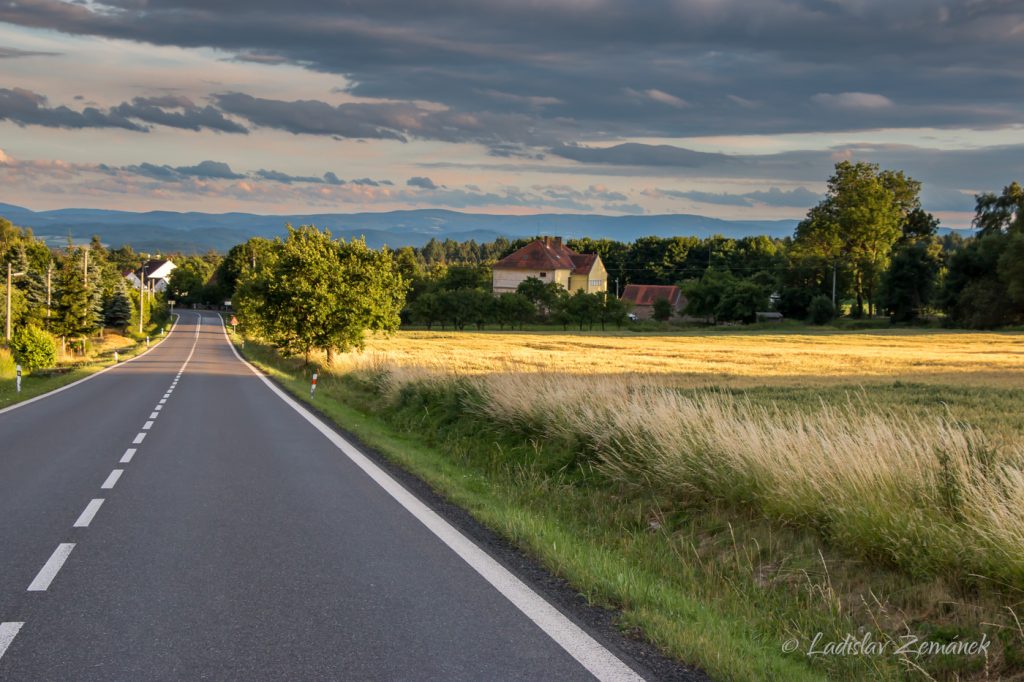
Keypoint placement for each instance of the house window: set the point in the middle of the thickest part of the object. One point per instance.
(543, 274)
(596, 282)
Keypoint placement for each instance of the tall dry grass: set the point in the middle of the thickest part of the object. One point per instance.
(927, 493)
(7, 364)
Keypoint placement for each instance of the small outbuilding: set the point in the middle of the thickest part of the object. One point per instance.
(643, 296)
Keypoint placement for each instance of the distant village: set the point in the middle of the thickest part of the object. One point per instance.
(547, 259)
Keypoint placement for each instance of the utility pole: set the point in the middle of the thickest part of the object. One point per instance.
(85, 267)
(142, 296)
(49, 271)
(7, 319)
(833, 284)
(10, 275)
(616, 287)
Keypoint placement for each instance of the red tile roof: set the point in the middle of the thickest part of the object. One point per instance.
(583, 262)
(548, 254)
(647, 294)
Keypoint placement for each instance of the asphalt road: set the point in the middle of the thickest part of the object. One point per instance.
(177, 518)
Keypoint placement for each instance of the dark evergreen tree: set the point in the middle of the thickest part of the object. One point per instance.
(74, 316)
(118, 311)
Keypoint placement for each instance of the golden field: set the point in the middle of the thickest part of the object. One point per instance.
(905, 444)
(724, 358)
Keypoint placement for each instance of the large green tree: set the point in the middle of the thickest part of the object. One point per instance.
(857, 223)
(320, 293)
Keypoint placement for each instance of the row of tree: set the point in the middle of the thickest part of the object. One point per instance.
(868, 247)
(463, 297)
(71, 292)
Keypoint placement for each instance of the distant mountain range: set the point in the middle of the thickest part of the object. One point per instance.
(164, 231)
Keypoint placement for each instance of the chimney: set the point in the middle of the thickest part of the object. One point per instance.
(558, 242)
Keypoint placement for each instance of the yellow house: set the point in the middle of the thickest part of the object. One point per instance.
(549, 260)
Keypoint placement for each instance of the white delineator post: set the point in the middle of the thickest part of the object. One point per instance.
(312, 387)
(18, 379)
(116, 358)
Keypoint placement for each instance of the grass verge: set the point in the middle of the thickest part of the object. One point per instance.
(70, 369)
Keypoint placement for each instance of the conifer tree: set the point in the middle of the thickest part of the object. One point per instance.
(74, 315)
(117, 312)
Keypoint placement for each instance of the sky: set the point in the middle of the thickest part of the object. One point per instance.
(726, 108)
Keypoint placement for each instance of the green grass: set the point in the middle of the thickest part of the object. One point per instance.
(711, 585)
(44, 381)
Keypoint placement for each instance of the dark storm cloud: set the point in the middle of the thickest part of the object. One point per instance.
(13, 52)
(774, 196)
(328, 178)
(635, 154)
(210, 170)
(25, 107)
(313, 117)
(982, 167)
(607, 68)
(398, 121)
(177, 112)
(421, 182)
(205, 170)
(277, 176)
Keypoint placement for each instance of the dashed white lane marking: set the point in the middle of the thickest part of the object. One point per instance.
(158, 408)
(127, 456)
(112, 479)
(8, 631)
(139, 438)
(591, 654)
(163, 400)
(52, 566)
(147, 426)
(86, 517)
(154, 415)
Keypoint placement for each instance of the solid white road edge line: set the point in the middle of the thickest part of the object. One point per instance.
(8, 631)
(55, 391)
(52, 566)
(112, 479)
(127, 456)
(598, 660)
(89, 513)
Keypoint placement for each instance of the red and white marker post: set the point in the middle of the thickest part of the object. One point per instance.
(312, 386)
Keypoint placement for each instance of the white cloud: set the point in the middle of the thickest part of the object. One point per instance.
(852, 100)
(667, 98)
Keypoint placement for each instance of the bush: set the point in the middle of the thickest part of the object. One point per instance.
(33, 348)
(662, 309)
(821, 310)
